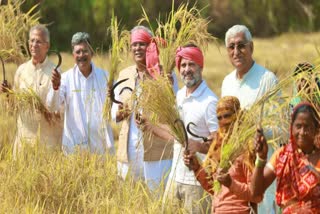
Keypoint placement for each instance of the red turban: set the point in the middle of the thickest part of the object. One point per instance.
(189, 53)
(152, 52)
(140, 35)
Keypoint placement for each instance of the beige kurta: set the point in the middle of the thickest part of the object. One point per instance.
(155, 149)
(33, 125)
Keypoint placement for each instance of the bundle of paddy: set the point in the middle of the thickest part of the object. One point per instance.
(269, 113)
(160, 106)
(118, 52)
(182, 27)
(14, 30)
(28, 101)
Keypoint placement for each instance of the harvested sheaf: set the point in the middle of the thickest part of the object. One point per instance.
(160, 105)
(118, 52)
(182, 27)
(28, 101)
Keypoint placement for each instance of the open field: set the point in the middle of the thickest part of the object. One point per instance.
(42, 182)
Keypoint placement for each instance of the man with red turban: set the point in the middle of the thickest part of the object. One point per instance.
(147, 159)
(197, 104)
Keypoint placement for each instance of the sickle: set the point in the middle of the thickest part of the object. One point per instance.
(184, 132)
(59, 58)
(194, 135)
(3, 72)
(112, 95)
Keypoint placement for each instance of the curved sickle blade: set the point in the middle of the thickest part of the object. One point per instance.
(195, 135)
(112, 97)
(184, 132)
(125, 88)
(3, 71)
(59, 58)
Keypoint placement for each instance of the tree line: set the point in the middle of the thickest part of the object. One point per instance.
(263, 17)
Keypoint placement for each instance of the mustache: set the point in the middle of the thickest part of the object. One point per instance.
(82, 59)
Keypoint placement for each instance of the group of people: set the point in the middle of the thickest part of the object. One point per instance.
(160, 160)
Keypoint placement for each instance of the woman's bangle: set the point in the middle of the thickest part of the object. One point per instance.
(260, 163)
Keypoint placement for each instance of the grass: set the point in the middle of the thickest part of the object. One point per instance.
(48, 182)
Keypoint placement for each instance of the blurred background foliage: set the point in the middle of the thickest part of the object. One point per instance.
(264, 18)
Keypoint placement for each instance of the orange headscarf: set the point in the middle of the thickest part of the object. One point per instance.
(227, 103)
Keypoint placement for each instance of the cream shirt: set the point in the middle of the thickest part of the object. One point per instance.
(32, 126)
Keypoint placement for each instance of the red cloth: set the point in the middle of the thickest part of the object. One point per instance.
(296, 179)
(140, 35)
(152, 51)
(189, 53)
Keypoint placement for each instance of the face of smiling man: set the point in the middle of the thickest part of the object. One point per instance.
(82, 55)
(240, 53)
(190, 73)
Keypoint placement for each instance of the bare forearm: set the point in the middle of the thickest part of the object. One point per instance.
(161, 131)
(204, 179)
(258, 182)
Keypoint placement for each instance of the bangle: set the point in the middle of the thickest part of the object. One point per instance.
(260, 163)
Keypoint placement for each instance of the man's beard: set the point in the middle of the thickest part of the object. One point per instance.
(190, 83)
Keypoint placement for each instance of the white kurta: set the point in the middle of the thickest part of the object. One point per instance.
(83, 99)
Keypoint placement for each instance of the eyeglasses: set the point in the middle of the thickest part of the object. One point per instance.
(224, 116)
(36, 42)
(240, 46)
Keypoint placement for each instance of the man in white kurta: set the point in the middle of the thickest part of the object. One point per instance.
(248, 82)
(197, 104)
(35, 75)
(82, 90)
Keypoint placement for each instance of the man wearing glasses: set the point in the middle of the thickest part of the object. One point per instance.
(248, 82)
(35, 75)
(82, 90)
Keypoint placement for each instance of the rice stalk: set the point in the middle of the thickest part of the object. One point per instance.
(14, 29)
(28, 101)
(160, 105)
(117, 54)
(272, 119)
(182, 27)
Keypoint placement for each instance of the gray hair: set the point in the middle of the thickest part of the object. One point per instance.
(80, 37)
(235, 29)
(141, 27)
(43, 29)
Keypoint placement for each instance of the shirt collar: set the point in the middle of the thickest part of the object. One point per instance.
(248, 73)
(90, 75)
(199, 90)
(39, 65)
